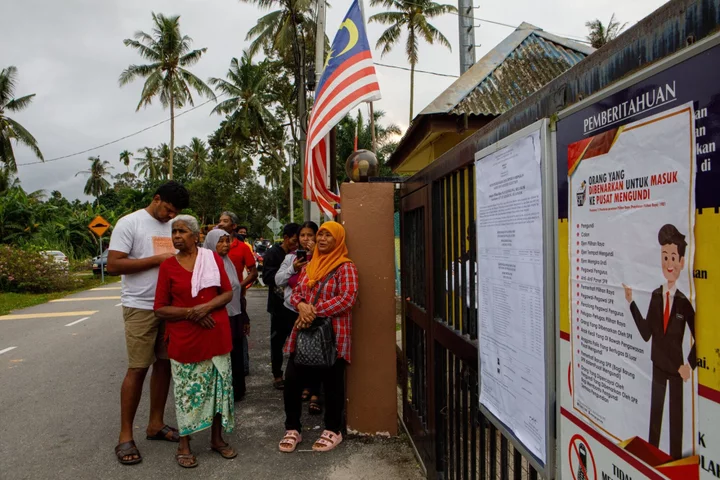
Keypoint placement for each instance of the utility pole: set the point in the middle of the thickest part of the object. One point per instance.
(466, 31)
(292, 192)
(302, 122)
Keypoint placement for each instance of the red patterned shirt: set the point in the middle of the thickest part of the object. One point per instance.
(336, 301)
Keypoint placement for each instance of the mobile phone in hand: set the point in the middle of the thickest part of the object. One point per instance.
(302, 255)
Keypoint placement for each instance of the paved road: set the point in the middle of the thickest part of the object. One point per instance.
(61, 365)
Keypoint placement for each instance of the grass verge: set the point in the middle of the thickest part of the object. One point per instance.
(15, 301)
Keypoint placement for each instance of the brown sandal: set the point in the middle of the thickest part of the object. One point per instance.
(226, 451)
(162, 434)
(186, 456)
(128, 449)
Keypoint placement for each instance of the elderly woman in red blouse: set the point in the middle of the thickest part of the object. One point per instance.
(333, 276)
(192, 291)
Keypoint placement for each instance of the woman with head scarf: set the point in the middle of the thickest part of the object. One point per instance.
(192, 291)
(219, 241)
(331, 277)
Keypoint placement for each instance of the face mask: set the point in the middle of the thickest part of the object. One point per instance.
(240, 237)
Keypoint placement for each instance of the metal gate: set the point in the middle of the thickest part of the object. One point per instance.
(439, 357)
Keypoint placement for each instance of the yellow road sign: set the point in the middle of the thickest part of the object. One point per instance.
(99, 226)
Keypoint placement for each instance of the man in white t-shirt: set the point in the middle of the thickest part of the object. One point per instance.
(140, 242)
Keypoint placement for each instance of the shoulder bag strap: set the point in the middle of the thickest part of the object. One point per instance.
(322, 285)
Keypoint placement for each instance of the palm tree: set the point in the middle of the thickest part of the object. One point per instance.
(148, 166)
(197, 152)
(97, 184)
(600, 34)
(164, 154)
(125, 157)
(247, 89)
(281, 30)
(9, 128)
(412, 16)
(166, 76)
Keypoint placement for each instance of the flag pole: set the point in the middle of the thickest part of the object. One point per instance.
(372, 108)
(319, 64)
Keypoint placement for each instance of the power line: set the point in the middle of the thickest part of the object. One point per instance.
(416, 70)
(494, 22)
(97, 147)
(121, 138)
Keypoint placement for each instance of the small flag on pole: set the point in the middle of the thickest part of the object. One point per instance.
(347, 80)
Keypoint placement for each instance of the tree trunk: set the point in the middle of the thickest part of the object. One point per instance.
(412, 91)
(172, 136)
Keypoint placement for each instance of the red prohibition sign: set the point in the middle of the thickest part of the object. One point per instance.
(573, 451)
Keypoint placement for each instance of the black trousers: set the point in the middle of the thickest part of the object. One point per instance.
(237, 356)
(281, 324)
(298, 377)
(660, 380)
(246, 320)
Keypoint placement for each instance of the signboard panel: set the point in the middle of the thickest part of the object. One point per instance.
(515, 318)
(99, 226)
(638, 220)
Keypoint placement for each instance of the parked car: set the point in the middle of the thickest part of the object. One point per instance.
(100, 262)
(58, 257)
(260, 249)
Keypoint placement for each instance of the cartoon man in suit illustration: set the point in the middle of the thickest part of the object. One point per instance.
(668, 313)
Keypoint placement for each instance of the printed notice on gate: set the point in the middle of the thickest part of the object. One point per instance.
(510, 290)
(632, 243)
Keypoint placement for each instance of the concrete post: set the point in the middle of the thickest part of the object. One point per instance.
(367, 215)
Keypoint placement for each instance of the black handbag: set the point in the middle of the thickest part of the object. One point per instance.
(315, 345)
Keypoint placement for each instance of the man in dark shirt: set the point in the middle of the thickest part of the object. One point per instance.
(281, 318)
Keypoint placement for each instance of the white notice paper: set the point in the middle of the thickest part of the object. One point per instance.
(510, 284)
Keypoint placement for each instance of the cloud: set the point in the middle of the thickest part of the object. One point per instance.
(70, 54)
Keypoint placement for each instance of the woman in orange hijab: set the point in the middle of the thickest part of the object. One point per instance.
(332, 278)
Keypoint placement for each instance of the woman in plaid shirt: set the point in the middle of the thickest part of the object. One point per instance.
(331, 270)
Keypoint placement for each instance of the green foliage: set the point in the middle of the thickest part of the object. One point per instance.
(26, 270)
(96, 183)
(10, 129)
(600, 34)
(411, 16)
(166, 76)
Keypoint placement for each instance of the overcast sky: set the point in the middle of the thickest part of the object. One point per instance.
(70, 53)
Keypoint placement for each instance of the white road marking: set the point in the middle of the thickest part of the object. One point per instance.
(83, 299)
(100, 289)
(7, 350)
(119, 305)
(76, 321)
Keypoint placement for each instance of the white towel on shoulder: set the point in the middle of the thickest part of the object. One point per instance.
(206, 272)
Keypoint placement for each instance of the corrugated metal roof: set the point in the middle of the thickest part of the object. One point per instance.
(517, 67)
(527, 69)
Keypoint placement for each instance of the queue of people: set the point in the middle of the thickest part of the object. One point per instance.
(185, 314)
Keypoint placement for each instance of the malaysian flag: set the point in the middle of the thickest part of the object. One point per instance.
(347, 80)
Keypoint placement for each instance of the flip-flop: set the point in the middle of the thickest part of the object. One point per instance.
(162, 434)
(186, 456)
(226, 451)
(305, 395)
(279, 384)
(125, 450)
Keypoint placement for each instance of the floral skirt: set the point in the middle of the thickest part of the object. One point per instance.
(203, 390)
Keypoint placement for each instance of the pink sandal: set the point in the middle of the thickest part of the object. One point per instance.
(327, 441)
(290, 441)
